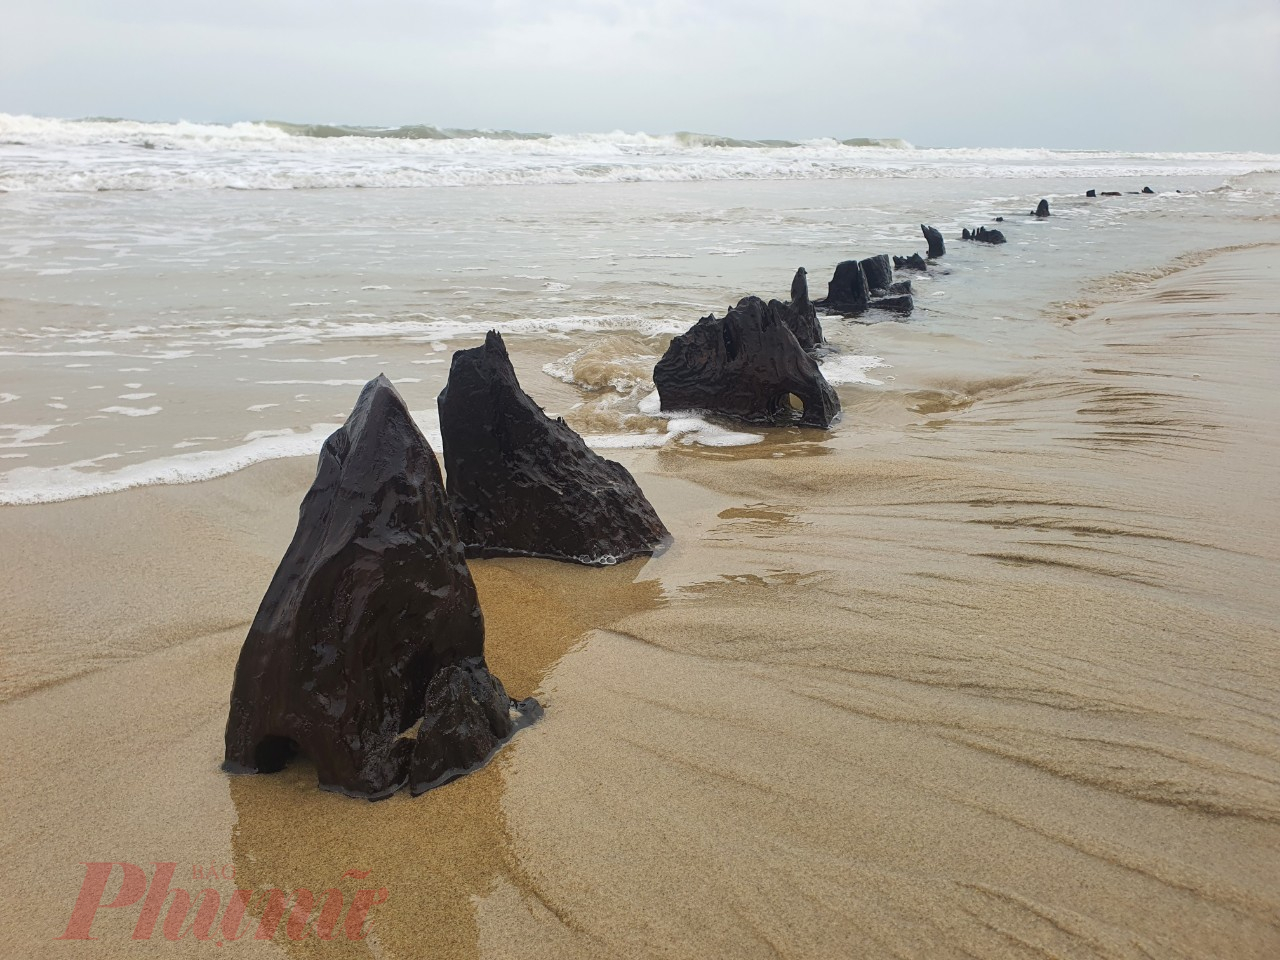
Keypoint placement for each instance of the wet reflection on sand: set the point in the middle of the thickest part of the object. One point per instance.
(437, 853)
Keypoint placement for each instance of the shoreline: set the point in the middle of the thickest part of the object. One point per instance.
(1003, 681)
(201, 466)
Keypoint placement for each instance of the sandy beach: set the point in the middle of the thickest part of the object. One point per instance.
(991, 672)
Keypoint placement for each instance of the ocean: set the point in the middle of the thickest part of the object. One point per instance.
(180, 300)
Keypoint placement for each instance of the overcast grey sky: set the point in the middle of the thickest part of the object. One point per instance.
(1121, 74)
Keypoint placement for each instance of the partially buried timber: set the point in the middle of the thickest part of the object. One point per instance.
(371, 602)
(747, 365)
(523, 484)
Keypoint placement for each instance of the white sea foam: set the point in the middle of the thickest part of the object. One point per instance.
(57, 353)
(445, 329)
(413, 328)
(685, 428)
(682, 426)
(27, 435)
(132, 411)
(52, 484)
(651, 405)
(850, 368)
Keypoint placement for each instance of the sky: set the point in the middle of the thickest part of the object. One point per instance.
(1160, 75)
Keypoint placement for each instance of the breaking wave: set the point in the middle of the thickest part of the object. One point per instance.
(45, 154)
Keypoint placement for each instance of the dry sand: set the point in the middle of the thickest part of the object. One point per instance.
(1004, 682)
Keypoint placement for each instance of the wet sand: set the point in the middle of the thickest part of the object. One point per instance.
(994, 671)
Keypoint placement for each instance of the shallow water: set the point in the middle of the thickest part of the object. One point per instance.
(168, 336)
